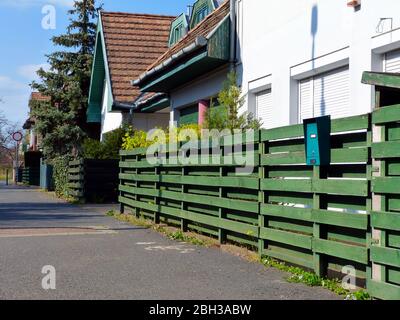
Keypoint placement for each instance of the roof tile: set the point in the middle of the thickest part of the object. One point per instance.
(132, 42)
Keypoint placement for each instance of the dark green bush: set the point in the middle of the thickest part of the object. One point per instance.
(108, 148)
(60, 175)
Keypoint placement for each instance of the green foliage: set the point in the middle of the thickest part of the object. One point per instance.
(299, 275)
(181, 236)
(60, 175)
(62, 120)
(140, 139)
(106, 149)
(226, 116)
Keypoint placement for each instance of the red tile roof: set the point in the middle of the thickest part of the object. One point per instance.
(132, 42)
(37, 96)
(202, 29)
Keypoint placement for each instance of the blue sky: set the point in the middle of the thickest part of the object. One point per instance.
(24, 43)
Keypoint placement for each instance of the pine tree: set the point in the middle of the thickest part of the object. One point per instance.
(227, 115)
(62, 122)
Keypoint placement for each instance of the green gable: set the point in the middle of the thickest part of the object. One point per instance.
(201, 9)
(100, 74)
(179, 28)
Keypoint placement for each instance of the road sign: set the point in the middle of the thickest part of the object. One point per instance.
(17, 136)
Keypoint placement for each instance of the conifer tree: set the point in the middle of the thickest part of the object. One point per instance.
(62, 121)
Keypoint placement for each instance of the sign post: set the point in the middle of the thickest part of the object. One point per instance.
(17, 137)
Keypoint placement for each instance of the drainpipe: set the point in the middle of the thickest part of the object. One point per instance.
(233, 35)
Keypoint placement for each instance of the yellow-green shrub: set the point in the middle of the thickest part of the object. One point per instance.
(139, 139)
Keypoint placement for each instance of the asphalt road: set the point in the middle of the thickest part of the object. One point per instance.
(122, 262)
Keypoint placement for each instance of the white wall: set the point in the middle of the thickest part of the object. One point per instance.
(148, 121)
(109, 120)
(277, 46)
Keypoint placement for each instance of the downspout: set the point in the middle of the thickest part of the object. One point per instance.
(232, 60)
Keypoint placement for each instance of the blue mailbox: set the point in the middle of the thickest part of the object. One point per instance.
(317, 139)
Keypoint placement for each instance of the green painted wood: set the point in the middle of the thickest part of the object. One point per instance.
(333, 186)
(290, 225)
(341, 250)
(246, 206)
(347, 155)
(350, 123)
(385, 220)
(291, 258)
(381, 290)
(349, 220)
(233, 182)
(293, 185)
(341, 187)
(386, 256)
(135, 152)
(386, 114)
(386, 185)
(293, 131)
(381, 79)
(382, 150)
(289, 212)
(293, 239)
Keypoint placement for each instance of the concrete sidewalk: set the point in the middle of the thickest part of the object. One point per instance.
(97, 257)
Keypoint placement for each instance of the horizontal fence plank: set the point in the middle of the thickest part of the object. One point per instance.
(382, 150)
(234, 182)
(382, 290)
(293, 185)
(386, 185)
(331, 186)
(342, 219)
(290, 212)
(386, 114)
(289, 258)
(385, 220)
(341, 250)
(385, 256)
(345, 155)
(294, 239)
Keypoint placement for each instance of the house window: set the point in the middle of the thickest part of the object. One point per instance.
(176, 34)
(392, 61)
(189, 115)
(264, 109)
(199, 14)
(325, 94)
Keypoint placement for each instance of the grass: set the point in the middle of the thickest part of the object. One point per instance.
(297, 275)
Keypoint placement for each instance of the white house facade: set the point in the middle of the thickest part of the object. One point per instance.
(299, 59)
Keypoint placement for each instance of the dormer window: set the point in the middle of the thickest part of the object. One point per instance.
(179, 29)
(201, 9)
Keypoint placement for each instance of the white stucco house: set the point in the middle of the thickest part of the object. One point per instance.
(305, 58)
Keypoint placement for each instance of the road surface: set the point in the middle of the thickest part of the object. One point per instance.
(97, 257)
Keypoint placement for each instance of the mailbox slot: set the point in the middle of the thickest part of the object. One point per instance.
(317, 136)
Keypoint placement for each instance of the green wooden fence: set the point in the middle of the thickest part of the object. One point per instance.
(93, 180)
(321, 218)
(31, 176)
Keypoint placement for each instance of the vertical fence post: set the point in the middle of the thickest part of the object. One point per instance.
(378, 272)
(319, 263)
(121, 181)
(262, 174)
(183, 203)
(221, 232)
(157, 198)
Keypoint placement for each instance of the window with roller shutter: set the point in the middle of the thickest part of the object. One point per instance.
(325, 94)
(392, 61)
(264, 109)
